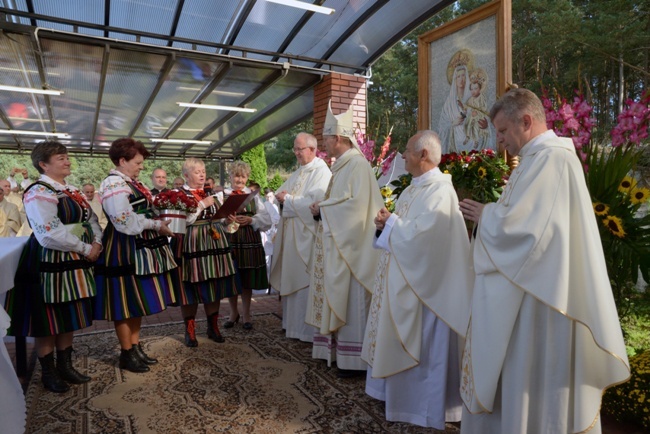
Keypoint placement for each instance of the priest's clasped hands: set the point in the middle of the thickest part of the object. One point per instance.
(471, 209)
(382, 217)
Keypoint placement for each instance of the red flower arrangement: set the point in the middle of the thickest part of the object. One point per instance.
(176, 200)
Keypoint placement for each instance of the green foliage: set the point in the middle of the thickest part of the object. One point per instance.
(276, 181)
(636, 325)
(8, 162)
(257, 160)
(172, 167)
(476, 175)
(393, 94)
(279, 151)
(625, 233)
(630, 401)
(88, 169)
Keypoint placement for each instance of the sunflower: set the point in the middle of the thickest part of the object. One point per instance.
(386, 191)
(627, 184)
(600, 208)
(482, 172)
(639, 195)
(615, 226)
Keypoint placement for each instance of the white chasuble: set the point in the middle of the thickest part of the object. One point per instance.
(12, 220)
(343, 249)
(428, 265)
(544, 338)
(295, 237)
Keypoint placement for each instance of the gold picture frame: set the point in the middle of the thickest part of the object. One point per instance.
(463, 66)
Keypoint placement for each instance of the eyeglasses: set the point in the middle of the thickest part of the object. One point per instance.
(300, 149)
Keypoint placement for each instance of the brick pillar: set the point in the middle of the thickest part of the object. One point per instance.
(344, 90)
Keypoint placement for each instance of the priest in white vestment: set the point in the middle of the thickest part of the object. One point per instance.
(14, 184)
(295, 236)
(343, 261)
(421, 301)
(11, 220)
(544, 340)
(93, 199)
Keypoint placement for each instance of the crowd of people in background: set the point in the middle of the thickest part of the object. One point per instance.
(510, 328)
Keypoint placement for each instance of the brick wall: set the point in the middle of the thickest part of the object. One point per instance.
(344, 90)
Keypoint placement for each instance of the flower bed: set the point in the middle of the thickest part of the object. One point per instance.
(630, 401)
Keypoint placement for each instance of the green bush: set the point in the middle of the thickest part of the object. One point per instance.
(257, 160)
(630, 401)
(275, 182)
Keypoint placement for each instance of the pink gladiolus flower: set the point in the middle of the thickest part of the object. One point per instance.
(388, 162)
(572, 124)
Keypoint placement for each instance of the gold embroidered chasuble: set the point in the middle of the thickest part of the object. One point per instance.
(428, 264)
(295, 237)
(540, 245)
(343, 246)
(12, 220)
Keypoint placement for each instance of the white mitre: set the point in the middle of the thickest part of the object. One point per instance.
(340, 125)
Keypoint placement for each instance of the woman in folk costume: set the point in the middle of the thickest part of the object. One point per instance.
(246, 242)
(207, 268)
(137, 271)
(54, 282)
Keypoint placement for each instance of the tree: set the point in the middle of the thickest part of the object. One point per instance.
(602, 48)
(257, 160)
(276, 182)
(279, 151)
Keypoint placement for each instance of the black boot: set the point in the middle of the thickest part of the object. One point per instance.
(213, 328)
(65, 368)
(51, 378)
(130, 361)
(143, 356)
(190, 332)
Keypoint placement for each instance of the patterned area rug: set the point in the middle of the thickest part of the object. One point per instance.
(255, 382)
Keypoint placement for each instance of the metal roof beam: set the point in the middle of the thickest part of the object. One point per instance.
(177, 17)
(164, 73)
(270, 81)
(7, 122)
(30, 9)
(200, 96)
(107, 16)
(38, 58)
(268, 111)
(100, 94)
(140, 34)
(231, 33)
(353, 28)
(296, 29)
(407, 29)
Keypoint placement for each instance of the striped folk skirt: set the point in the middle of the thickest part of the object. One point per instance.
(250, 259)
(135, 275)
(207, 267)
(26, 305)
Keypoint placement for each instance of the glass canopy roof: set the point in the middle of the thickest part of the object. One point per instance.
(123, 65)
